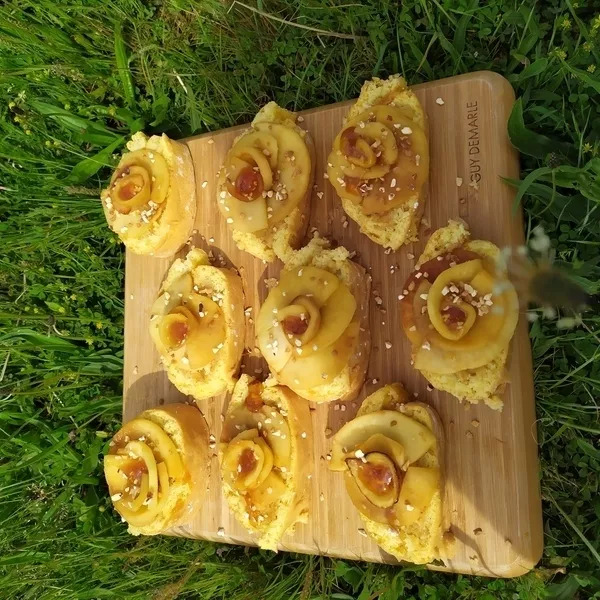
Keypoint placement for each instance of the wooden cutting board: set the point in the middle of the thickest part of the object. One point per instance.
(492, 494)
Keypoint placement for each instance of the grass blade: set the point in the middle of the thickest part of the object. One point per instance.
(122, 61)
(576, 529)
(90, 165)
(527, 141)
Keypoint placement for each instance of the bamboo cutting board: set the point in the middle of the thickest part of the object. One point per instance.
(492, 496)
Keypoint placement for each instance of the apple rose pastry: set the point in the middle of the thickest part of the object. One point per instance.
(157, 468)
(151, 199)
(390, 455)
(313, 326)
(379, 163)
(197, 325)
(264, 185)
(459, 312)
(265, 454)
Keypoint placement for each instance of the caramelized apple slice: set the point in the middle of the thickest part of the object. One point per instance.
(383, 137)
(241, 184)
(487, 341)
(256, 160)
(364, 146)
(142, 176)
(231, 453)
(136, 503)
(437, 300)
(413, 306)
(356, 149)
(245, 216)
(249, 185)
(376, 478)
(247, 461)
(162, 445)
(418, 488)
(232, 169)
(277, 432)
(267, 144)
(180, 289)
(263, 498)
(462, 273)
(458, 318)
(322, 365)
(485, 328)
(317, 284)
(273, 342)
(121, 470)
(163, 481)
(314, 320)
(362, 504)
(137, 449)
(336, 315)
(388, 397)
(131, 191)
(490, 334)
(239, 422)
(405, 178)
(384, 445)
(294, 166)
(402, 154)
(268, 462)
(204, 338)
(478, 344)
(350, 171)
(484, 282)
(412, 435)
(173, 330)
(300, 320)
(311, 282)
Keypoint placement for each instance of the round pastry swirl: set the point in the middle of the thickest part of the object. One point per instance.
(141, 469)
(137, 193)
(265, 176)
(307, 327)
(188, 324)
(381, 454)
(458, 312)
(256, 455)
(380, 159)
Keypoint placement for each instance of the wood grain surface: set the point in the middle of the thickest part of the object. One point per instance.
(492, 497)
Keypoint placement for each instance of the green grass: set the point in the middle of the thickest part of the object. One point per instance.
(75, 78)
